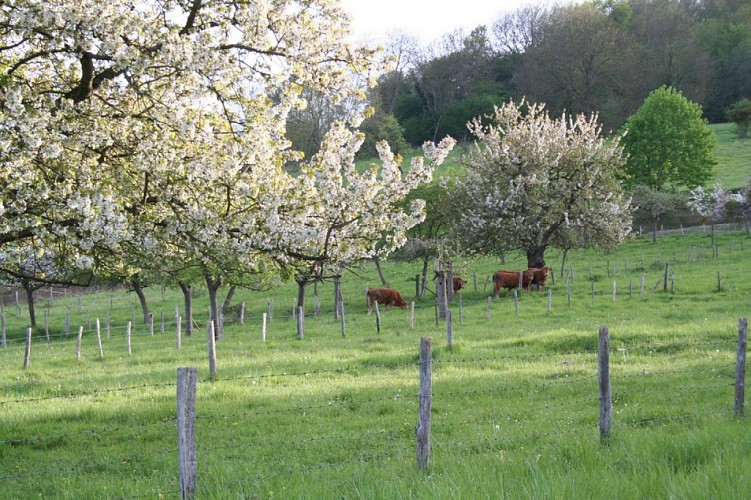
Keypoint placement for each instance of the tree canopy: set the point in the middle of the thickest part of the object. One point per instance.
(535, 182)
(145, 135)
(668, 143)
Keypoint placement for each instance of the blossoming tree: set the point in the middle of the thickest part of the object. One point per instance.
(533, 182)
(335, 216)
(135, 134)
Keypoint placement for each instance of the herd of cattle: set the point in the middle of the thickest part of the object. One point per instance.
(532, 278)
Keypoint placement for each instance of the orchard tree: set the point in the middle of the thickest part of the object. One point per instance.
(535, 182)
(432, 237)
(158, 125)
(652, 204)
(335, 216)
(668, 143)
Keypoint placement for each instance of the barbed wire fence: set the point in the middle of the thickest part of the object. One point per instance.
(522, 411)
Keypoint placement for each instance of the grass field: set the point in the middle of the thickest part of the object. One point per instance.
(515, 399)
(733, 155)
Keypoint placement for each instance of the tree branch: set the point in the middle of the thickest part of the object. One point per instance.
(189, 23)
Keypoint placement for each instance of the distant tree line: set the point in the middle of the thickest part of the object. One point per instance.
(602, 56)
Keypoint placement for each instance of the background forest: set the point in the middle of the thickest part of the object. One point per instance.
(603, 56)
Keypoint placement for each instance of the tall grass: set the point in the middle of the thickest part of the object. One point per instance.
(515, 402)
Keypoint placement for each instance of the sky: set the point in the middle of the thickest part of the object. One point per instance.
(427, 19)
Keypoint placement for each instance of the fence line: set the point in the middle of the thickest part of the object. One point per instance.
(427, 394)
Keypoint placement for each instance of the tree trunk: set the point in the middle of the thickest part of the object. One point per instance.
(563, 262)
(425, 262)
(213, 285)
(440, 293)
(536, 257)
(142, 298)
(30, 301)
(228, 299)
(654, 229)
(380, 272)
(188, 299)
(337, 296)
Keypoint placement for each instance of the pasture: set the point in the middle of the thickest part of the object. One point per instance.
(515, 399)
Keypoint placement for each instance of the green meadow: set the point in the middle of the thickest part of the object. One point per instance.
(515, 403)
(733, 155)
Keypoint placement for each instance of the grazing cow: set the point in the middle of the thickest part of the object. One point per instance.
(458, 283)
(510, 280)
(385, 296)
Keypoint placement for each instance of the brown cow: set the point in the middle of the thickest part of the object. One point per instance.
(510, 280)
(540, 276)
(386, 296)
(457, 282)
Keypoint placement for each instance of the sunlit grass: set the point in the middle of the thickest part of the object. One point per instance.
(515, 402)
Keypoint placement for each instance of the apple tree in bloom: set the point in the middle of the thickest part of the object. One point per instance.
(151, 126)
(334, 216)
(535, 182)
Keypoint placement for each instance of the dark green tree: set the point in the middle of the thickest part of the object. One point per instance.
(740, 114)
(381, 127)
(668, 143)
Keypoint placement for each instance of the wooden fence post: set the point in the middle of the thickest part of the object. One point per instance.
(99, 339)
(490, 306)
(46, 325)
(516, 301)
(740, 366)
(2, 332)
(412, 315)
(78, 342)
(300, 323)
(378, 318)
(343, 321)
(667, 274)
(127, 336)
(27, 353)
(603, 370)
(211, 340)
(263, 328)
(425, 404)
(550, 298)
(178, 332)
(449, 329)
(461, 312)
(186, 429)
